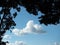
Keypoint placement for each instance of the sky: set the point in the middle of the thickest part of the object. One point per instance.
(28, 31)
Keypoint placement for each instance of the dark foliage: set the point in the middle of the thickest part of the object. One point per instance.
(50, 9)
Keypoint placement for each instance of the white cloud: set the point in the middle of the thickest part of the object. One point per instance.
(16, 31)
(31, 28)
(17, 43)
(7, 36)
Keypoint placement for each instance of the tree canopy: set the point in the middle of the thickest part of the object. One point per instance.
(50, 9)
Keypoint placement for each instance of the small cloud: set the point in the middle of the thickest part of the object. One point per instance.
(7, 36)
(17, 43)
(31, 28)
(16, 31)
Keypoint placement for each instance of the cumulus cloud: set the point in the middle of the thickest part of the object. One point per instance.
(17, 43)
(31, 28)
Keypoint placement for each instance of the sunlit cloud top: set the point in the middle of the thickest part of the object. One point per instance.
(30, 28)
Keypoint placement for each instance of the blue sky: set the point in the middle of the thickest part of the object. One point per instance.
(28, 35)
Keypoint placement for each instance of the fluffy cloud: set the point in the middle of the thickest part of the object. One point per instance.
(17, 43)
(31, 28)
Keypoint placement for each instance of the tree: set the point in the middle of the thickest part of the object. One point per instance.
(50, 9)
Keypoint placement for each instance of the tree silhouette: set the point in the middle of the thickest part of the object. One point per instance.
(50, 9)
